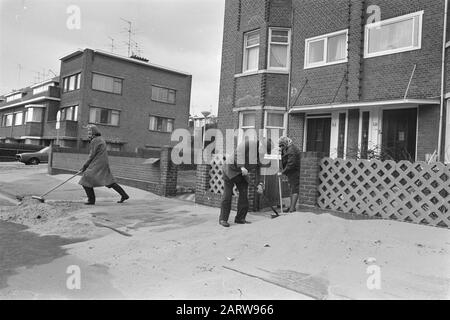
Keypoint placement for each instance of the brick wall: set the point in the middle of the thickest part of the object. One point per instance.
(309, 177)
(128, 168)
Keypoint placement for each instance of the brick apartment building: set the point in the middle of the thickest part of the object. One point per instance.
(354, 86)
(22, 112)
(134, 103)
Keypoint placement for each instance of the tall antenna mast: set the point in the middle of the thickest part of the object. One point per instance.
(129, 35)
(112, 43)
(19, 66)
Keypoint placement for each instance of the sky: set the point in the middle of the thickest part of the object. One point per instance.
(180, 34)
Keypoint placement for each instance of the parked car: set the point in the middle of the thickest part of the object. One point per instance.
(34, 157)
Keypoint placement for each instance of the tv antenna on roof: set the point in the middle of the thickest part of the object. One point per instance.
(129, 31)
(112, 44)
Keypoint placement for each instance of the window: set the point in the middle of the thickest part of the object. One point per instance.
(279, 48)
(33, 114)
(43, 88)
(394, 35)
(113, 147)
(275, 120)
(161, 124)
(104, 116)
(7, 120)
(251, 52)
(248, 120)
(18, 118)
(13, 97)
(106, 83)
(69, 113)
(326, 49)
(72, 82)
(163, 94)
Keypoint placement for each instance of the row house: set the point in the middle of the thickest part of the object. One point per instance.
(135, 104)
(350, 78)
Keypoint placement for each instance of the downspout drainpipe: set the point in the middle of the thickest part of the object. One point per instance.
(290, 72)
(441, 113)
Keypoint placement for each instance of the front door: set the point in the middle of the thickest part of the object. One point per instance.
(399, 134)
(318, 135)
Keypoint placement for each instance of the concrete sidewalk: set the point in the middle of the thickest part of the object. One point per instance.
(159, 248)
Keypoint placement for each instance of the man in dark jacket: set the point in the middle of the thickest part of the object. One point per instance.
(290, 166)
(235, 172)
(96, 171)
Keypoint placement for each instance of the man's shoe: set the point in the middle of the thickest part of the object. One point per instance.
(89, 203)
(242, 222)
(224, 223)
(125, 197)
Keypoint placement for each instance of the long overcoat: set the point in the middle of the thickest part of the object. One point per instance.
(98, 173)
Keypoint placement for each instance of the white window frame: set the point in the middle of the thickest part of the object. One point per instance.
(244, 60)
(325, 48)
(288, 52)
(15, 118)
(5, 120)
(15, 96)
(390, 21)
(241, 120)
(167, 124)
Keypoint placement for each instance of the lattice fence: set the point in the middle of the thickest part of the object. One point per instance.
(414, 192)
(215, 176)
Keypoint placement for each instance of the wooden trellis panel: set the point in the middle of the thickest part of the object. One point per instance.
(414, 192)
(215, 176)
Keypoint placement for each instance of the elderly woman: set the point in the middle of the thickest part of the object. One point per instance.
(290, 166)
(96, 171)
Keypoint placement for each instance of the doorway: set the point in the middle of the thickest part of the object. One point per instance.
(318, 135)
(399, 134)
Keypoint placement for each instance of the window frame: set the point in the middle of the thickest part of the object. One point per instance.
(67, 81)
(325, 37)
(110, 111)
(288, 52)
(5, 118)
(160, 117)
(245, 47)
(15, 118)
(114, 78)
(405, 17)
(169, 90)
(241, 120)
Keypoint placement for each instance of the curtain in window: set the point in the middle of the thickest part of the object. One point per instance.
(102, 83)
(18, 119)
(337, 48)
(93, 115)
(115, 118)
(275, 120)
(153, 123)
(392, 36)
(316, 51)
(278, 56)
(169, 125)
(252, 58)
(248, 120)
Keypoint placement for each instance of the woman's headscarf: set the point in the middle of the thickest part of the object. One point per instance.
(284, 142)
(94, 129)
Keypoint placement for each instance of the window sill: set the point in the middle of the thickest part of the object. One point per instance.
(251, 73)
(104, 124)
(165, 102)
(385, 53)
(160, 131)
(325, 64)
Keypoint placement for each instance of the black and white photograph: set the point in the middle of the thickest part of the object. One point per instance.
(225, 155)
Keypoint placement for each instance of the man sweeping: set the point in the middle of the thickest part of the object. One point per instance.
(96, 171)
(290, 166)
